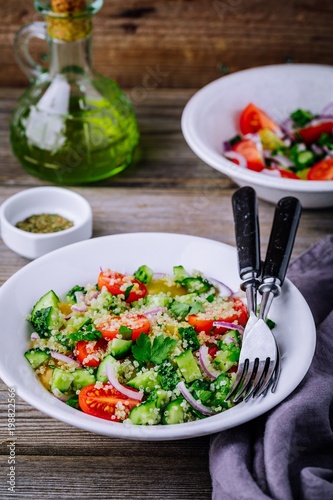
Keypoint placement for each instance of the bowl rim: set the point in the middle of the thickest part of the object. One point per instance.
(216, 160)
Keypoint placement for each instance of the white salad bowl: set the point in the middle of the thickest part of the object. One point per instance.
(79, 264)
(211, 117)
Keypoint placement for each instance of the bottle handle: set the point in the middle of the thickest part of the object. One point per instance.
(24, 59)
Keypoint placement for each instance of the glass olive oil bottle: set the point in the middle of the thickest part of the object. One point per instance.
(71, 126)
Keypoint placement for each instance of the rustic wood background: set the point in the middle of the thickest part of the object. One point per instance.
(146, 44)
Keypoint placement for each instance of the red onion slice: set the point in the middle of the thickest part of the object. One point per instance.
(59, 395)
(193, 402)
(65, 359)
(79, 297)
(126, 391)
(79, 308)
(34, 336)
(232, 155)
(255, 138)
(206, 364)
(274, 172)
(230, 326)
(224, 290)
(94, 295)
(155, 311)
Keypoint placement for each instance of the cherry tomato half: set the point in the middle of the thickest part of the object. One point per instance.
(90, 352)
(253, 119)
(104, 402)
(252, 155)
(314, 132)
(121, 284)
(203, 324)
(138, 323)
(322, 171)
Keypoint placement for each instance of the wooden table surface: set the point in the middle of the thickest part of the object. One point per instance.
(170, 191)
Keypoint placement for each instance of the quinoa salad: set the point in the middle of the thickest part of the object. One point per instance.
(145, 348)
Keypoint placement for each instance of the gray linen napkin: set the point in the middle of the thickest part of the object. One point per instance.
(288, 452)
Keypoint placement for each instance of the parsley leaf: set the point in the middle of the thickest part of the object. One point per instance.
(41, 320)
(146, 352)
(301, 117)
(168, 376)
(189, 338)
(179, 310)
(86, 332)
(125, 332)
(161, 348)
(128, 291)
(196, 307)
(142, 348)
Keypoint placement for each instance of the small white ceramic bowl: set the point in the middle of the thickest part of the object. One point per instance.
(211, 117)
(40, 200)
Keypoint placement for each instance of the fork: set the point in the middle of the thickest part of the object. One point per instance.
(245, 209)
(259, 362)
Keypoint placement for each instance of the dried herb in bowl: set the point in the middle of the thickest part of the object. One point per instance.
(44, 223)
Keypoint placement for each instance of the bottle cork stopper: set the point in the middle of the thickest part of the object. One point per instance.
(66, 6)
(72, 24)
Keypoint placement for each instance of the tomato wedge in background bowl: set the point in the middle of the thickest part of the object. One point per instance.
(248, 150)
(253, 119)
(314, 132)
(322, 171)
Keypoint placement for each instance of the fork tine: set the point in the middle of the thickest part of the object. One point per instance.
(258, 377)
(263, 384)
(277, 371)
(241, 373)
(251, 372)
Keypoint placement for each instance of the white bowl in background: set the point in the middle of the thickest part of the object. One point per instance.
(211, 117)
(45, 199)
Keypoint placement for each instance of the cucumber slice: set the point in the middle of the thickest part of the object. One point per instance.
(36, 357)
(120, 347)
(61, 380)
(146, 413)
(146, 381)
(101, 375)
(174, 413)
(158, 300)
(81, 378)
(188, 366)
(226, 360)
(45, 315)
(196, 285)
(160, 397)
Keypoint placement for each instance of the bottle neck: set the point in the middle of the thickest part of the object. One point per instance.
(70, 58)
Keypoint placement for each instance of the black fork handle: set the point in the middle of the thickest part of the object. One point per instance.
(245, 208)
(281, 240)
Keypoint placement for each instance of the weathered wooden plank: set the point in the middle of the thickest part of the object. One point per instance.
(181, 43)
(117, 477)
(202, 211)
